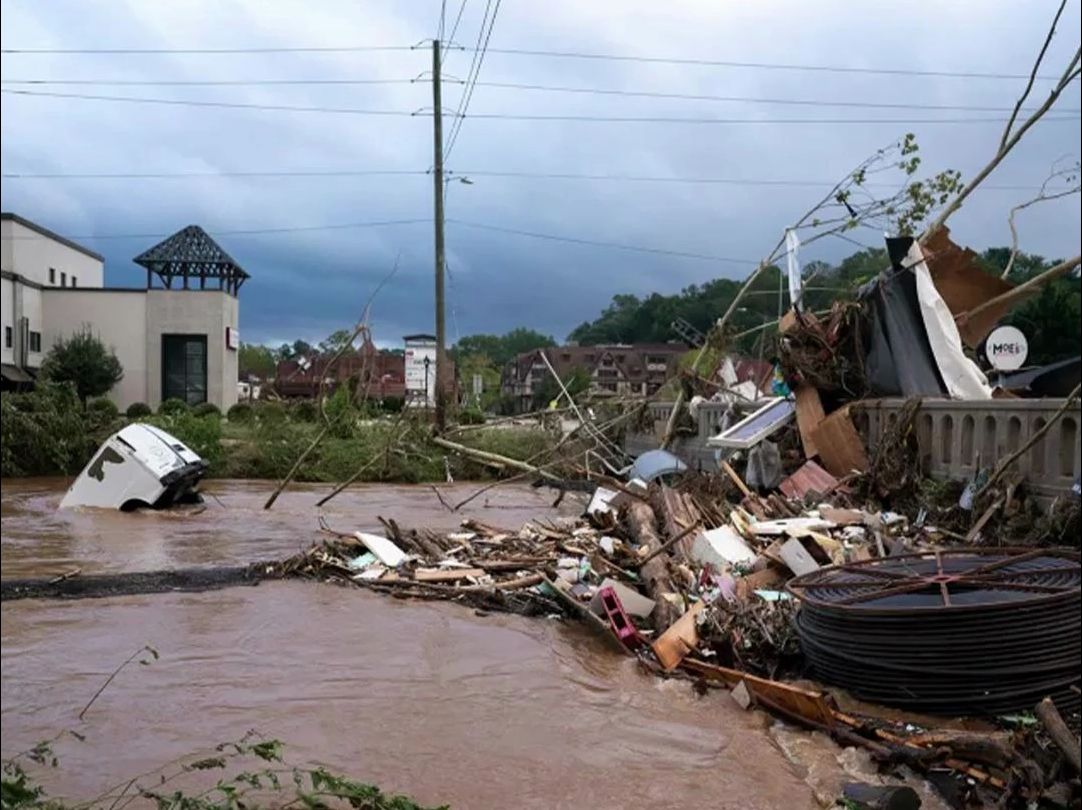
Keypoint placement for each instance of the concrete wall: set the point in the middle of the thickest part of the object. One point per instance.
(19, 300)
(193, 312)
(30, 253)
(119, 318)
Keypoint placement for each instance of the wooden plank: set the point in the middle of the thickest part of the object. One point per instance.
(840, 447)
(799, 704)
(446, 574)
(809, 413)
(680, 639)
(736, 479)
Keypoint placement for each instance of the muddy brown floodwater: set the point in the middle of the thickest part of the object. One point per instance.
(423, 698)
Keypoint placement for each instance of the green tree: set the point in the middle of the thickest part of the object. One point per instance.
(256, 359)
(301, 347)
(84, 361)
(335, 341)
(1052, 319)
(499, 349)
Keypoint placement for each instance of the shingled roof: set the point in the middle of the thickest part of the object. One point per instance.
(191, 253)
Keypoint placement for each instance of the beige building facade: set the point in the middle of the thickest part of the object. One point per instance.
(179, 339)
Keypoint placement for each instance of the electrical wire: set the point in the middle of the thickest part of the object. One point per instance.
(347, 173)
(237, 105)
(198, 82)
(967, 74)
(598, 243)
(749, 99)
(242, 231)
(471, 79)
(668, 60)
(518, 116)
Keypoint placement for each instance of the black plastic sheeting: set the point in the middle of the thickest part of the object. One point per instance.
(956, 633)
(899, 359)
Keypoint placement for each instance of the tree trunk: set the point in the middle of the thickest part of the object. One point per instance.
(642, 525)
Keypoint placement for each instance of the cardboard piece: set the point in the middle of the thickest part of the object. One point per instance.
(963, 285)
(840, 447)
(634, 602)
(680, 639)
(797, 558)
(809, 413)
(387, 552)
(842, 517)
(722, 547)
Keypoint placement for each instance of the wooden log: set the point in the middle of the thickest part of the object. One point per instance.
(446, 574)
(492, 458)
(1061, 735)
(642, 524)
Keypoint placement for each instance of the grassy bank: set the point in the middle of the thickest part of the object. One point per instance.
(48, 432)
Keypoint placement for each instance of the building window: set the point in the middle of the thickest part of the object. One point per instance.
(63, 279)
(52, 275)
(35, 341)
(184, 368)
(74, 281)
(8, 337)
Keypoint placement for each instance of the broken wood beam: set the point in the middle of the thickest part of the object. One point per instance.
(642, 525)
(492, 458)
(1053, 723)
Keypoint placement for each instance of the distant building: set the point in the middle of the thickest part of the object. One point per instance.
(384, 373)
(179, 339)
(420, 360)
(635, 369)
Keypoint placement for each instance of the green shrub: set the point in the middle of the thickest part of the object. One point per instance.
(173, 406)
(201, 433)
(44, 432)
(304, 410)
(271, 412)
(207, 409)
(392, 404)
(137, 410)
(104, 407)
(241, 412)
(471, 416)
(85, 361)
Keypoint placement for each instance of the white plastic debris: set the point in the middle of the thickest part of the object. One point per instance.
(387, 552)
(600, 503)
(722, 547)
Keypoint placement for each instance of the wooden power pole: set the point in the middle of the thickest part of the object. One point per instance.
(437, 175)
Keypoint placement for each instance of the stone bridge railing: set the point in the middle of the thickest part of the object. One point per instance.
(955, 437)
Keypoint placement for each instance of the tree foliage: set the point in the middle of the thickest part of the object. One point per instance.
(86, 362)
(500, 349)
(256, 360)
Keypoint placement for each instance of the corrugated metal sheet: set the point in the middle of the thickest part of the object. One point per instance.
(809, 478)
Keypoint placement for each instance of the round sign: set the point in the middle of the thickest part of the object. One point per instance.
(1006, 348)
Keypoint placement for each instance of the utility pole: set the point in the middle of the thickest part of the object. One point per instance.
(437, 176)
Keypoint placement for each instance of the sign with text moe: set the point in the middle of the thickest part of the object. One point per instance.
(1006, 348)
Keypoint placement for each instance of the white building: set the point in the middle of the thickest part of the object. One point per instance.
(177, 341)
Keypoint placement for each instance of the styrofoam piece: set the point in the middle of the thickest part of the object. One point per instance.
(388, 553)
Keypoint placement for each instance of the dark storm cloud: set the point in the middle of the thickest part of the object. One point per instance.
(309, 282)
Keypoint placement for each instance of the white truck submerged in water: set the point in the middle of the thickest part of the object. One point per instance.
(138, 466)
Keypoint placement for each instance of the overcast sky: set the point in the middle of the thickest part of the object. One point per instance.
(306, 283)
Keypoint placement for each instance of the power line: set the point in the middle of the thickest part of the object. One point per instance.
(458, 19)
(199, 82)
(245, 231)
(208, 51)
(767, 65)
(203, 175)
(347, 173)
(471, 78)
(518, 86)
(515, 116)
(597, 243)
(967, 74)
(750, 100)
(199, 103)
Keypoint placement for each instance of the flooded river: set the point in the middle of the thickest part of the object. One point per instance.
(423, 698)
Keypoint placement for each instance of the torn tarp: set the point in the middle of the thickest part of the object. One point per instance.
(914, 348)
